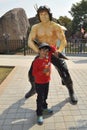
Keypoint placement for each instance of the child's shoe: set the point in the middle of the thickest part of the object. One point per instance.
(40, 120)
(47, 111)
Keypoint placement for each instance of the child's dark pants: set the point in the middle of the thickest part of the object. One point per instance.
(42, 94)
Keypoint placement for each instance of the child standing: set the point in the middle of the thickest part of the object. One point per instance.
(41, 72)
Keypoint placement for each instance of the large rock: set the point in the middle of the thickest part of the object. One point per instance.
(14, 24)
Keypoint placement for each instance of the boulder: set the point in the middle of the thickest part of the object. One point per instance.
(14, 24)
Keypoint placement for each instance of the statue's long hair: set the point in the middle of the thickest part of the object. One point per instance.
(44, 8)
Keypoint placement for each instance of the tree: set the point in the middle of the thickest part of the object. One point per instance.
(66, 22)
(79, 14)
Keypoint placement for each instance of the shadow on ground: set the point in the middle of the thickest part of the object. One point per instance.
(18, 117)
(21, 118)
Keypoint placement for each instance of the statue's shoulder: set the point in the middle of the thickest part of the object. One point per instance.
(55, 25)
(36, 26)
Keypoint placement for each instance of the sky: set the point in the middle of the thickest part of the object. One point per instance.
(58, 7)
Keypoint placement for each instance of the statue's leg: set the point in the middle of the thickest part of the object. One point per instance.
(32, 91)
(62, 69)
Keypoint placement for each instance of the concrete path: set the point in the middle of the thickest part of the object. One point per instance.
(16, 113)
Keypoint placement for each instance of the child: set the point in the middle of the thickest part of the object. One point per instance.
(41, 72)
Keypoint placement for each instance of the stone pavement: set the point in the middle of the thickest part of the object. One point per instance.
(16, 113)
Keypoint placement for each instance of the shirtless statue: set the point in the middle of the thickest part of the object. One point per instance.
(50, 32)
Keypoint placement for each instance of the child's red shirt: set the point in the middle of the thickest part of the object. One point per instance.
(39, 65)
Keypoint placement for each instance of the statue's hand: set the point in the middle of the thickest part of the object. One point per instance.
(56, 53)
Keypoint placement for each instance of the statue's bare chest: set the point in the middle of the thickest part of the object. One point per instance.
(43, 31)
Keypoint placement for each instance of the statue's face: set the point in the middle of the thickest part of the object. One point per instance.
(44, 16)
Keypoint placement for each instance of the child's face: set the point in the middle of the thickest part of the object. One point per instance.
(43, 52)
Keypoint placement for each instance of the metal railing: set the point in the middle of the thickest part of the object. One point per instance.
(76, 47)
(11, 46)
(21, 47)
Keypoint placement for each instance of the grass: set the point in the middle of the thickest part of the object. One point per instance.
(4, 72)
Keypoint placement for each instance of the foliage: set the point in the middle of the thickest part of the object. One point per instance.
(79, 14)
(67, 22)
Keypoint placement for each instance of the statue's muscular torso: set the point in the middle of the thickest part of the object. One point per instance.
(48, 33)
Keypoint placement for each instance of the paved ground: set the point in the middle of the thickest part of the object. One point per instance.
(16, 113)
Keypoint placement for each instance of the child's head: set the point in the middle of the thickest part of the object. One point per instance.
(44, 49)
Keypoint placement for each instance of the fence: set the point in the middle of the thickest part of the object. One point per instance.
(21, 47)
(11, 46)
(79, 47)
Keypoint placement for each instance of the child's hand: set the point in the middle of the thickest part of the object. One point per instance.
(46, 70)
